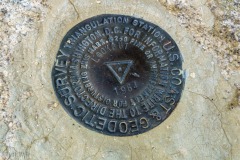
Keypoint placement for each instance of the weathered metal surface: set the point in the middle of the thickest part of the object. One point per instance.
(118, 75)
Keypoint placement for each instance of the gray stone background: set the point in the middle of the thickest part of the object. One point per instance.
(205, 125)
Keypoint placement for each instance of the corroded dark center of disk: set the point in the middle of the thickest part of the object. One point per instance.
(118, 75)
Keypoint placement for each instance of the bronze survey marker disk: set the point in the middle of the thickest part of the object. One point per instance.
(118, 75)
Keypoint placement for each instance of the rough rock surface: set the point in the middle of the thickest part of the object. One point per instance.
(205, 125)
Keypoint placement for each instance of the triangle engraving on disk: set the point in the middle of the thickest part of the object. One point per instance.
(119, 69)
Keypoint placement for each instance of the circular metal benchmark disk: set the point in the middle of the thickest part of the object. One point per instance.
(118, 75)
